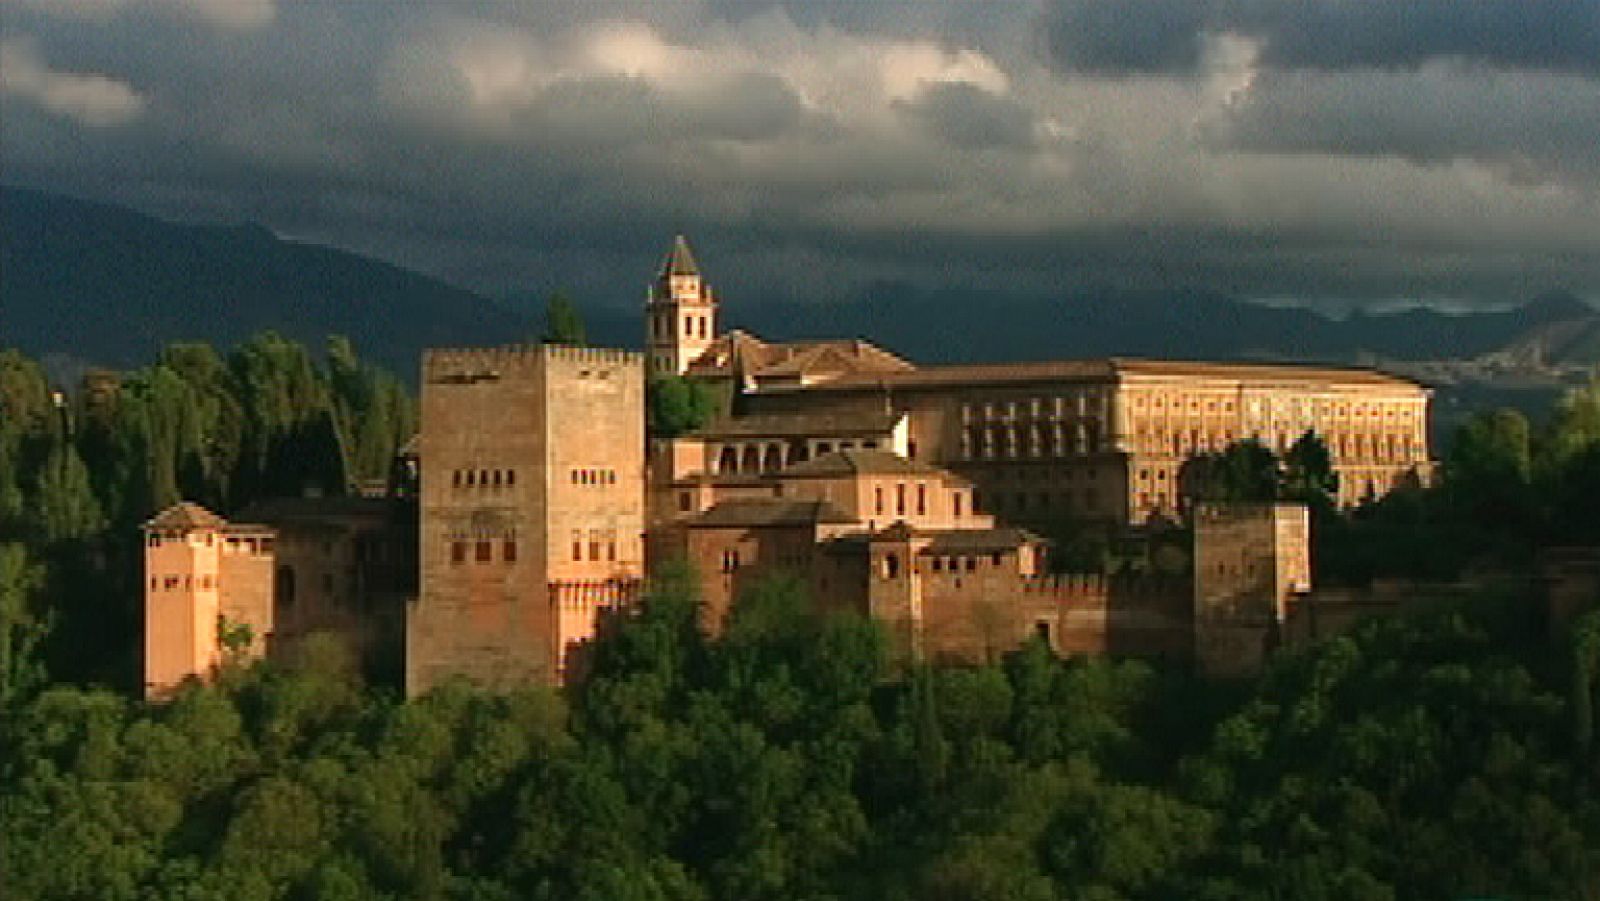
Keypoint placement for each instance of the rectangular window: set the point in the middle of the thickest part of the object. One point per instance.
(877, 500)
(922, 499)
(956, 500)
(577, 545)
(458, 552)
(900, 499)
(594, 545)
(508, 551)
(684, 501)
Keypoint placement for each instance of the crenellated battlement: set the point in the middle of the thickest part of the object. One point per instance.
(593, 356)
(472, 364)
(1069, 589)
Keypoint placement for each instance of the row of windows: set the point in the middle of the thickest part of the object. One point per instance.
(891, 563)
(483, 478)
(594, 476)
(596, 540)
(1391, 447)
(1005, 441)
(233, 543)
(181, 583)
(1304, 405)
(483, 551)
(900, 497)
(957, 564)
(661, 326)
(1035, 408)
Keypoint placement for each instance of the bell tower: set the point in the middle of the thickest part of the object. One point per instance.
(680, 318)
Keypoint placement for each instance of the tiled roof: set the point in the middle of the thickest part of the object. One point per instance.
(739, 351)
(183, 516)
(679, 261)
(977, 541)
(744, 512)
(859, 462)
(1110, 369)
(1268, 371)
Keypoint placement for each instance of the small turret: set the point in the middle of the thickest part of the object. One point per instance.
(680, 312)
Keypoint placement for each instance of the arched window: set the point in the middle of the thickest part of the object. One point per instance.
(751, 460)
(774, 458)
(728, 460)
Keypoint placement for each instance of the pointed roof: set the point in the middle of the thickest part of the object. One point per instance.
(679, 260)
(185, 516)
(860, 462)
(739, 352)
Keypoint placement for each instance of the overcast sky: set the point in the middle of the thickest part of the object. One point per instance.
(1348, 150)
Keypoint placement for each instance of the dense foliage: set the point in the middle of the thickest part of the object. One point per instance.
(563, 324)
(1441, 755)
(79, 471)
(1506, 488)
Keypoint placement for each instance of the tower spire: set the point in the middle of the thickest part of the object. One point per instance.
(679, 260)
(680, 312)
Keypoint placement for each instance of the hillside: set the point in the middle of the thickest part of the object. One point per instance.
(101, 284)
(954, 326)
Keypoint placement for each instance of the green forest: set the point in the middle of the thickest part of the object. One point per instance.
(1448, 753)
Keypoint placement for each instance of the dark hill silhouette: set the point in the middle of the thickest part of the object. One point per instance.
(960, 326)
(102, 284)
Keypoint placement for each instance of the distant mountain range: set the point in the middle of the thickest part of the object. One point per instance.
(102, 284)
(966, 327)
(98, 284)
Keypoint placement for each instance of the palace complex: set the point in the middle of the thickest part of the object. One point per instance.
(917, 495)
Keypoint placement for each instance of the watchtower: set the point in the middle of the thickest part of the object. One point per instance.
(532, 478)
(208, 592)
(680, 313)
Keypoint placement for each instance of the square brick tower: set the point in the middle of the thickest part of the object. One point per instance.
(532, 508)
(204, 577)
(1251, 563)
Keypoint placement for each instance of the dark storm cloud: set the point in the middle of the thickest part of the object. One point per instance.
(1532, 128)
(1167, 36)
(808, 149)
(1542, 35)
(1126, 36)
(967, 116)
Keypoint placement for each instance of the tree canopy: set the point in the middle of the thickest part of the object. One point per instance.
(563, 324)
